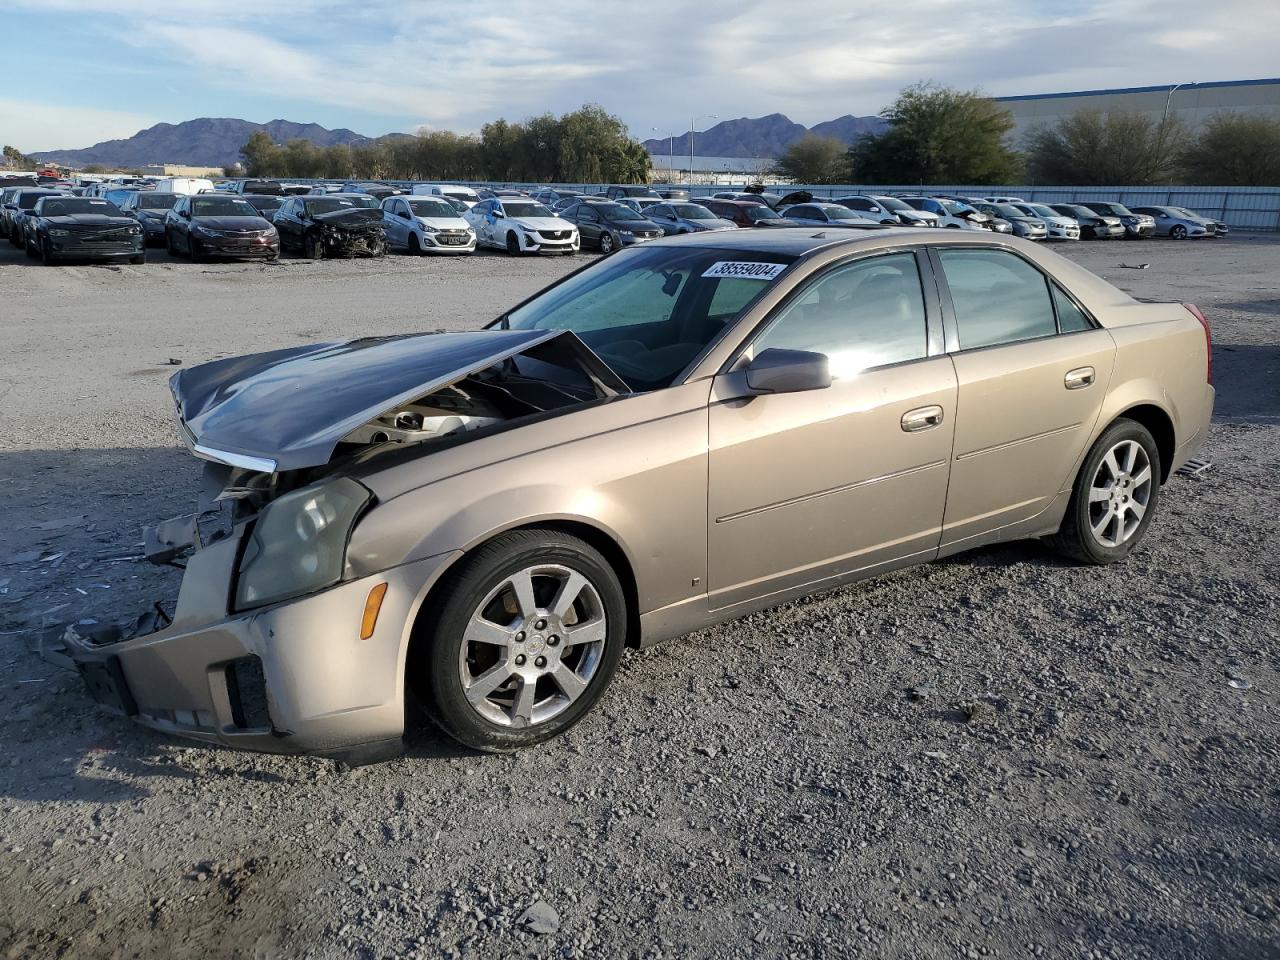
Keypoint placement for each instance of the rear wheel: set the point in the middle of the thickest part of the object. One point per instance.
(513, 244)
(606, 243)
(1115, 496)
(528, 635)
(1178, 232)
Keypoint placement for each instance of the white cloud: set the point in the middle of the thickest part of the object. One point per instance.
(33, 125)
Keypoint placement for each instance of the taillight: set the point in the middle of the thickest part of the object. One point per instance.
(1208, 340)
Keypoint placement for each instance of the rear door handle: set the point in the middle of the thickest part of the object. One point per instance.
(921, 418)
(1078, 378)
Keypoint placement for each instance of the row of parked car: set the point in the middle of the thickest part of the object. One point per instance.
(259, 218)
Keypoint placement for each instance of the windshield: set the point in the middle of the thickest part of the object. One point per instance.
(1008, 211)
(955, 208)
(692, 211)
(74, 205)
(649, 311)
(529, 209)
(1040, 210)
(330, 204)
(156, 201)
(221, 207)
(891, 203)
(757, 212)
(836, 212)
(616, 211)
(1184, 212)
(433, 208)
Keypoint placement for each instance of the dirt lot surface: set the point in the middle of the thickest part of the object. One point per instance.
(999, 755)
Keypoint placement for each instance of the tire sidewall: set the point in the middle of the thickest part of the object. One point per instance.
(1118, 432)
(607, 246)
(468, 588)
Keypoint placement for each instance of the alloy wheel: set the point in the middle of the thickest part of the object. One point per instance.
(532, 646)
(1119, 493)
(606, 243)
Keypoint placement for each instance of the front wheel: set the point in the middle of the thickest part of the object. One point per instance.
(513, 245)
(1115, 496)
(1179, 232)
(140, 258)
(46, 254)
(312, 248)
(527, 638)
(606, 243)
(415, 247)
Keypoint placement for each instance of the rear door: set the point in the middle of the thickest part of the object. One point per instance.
(1033, 369)
(807, 486)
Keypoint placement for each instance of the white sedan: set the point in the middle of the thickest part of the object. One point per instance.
(1060, 227)
(426, 225)
(519, 225)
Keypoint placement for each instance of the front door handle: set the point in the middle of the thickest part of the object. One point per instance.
(921, 418)
(1078, 378)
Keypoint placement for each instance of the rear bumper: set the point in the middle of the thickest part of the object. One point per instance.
(291, 678)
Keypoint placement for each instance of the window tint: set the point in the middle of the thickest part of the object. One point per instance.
(998, 297)
(1070, 317)
(586, 213)
(732, 294)
(857, 203)
(866, 314)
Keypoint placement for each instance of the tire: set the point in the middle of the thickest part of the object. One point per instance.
(46, 254)
(169, 248)
(951, 226)
(513, 244)
(1178, 232)
(607, 246)
(312, 248)
(141, 258)
(1133, 487)
(32, 251)
(524, 654)
(415, 247)
(193, 249)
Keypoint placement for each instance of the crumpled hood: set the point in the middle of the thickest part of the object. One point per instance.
(288, 409)
(353, 218)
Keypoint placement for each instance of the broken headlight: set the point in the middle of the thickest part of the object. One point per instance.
(299, 543)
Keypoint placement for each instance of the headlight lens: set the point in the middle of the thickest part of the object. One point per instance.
(59, 233)
(428, 228)
(299, 543)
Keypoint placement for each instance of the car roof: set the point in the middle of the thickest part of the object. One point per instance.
(796, 241)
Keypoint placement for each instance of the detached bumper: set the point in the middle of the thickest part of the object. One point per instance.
(292, 678)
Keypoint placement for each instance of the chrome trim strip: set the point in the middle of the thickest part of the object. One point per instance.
(833, 490)
(1013, 443)
(260, 464)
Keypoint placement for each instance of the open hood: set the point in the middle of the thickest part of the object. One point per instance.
(289, 409)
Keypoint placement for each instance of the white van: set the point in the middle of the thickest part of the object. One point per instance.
(187, 185)
(465, 194)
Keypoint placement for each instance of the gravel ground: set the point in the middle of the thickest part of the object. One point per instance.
(999, 755)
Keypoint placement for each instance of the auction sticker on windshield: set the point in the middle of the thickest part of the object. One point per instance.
(746, 269)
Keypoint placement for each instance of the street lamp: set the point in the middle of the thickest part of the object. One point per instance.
(671, 164)
(1164, 120)
(692, 124)
(1169, 98)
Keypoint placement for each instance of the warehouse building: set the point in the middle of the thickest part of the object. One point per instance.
(1192, 103)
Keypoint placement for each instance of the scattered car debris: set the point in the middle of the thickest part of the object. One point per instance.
(540, 918)
(1135, 266)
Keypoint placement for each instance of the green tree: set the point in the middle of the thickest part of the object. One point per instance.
(815, 159)
(13, 157)
(1235, 150)
(262, 158)
(1096, 148)
(939, 135)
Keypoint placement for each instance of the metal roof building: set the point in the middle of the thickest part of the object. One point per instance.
(1192, 103)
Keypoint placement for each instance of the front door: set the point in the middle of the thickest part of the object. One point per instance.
(1033, 370)
(807, 486)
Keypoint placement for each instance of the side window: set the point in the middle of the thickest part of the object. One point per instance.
(857, 203)
(586, 213)
(998, 297)
(1070, 317)
(866, 314)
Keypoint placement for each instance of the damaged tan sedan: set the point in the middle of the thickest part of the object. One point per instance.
(676, 435)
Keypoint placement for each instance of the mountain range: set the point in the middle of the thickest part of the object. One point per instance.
(204, 142)
(763, 137)
(216, 141)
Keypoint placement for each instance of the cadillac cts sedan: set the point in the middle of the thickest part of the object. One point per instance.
(687, 431)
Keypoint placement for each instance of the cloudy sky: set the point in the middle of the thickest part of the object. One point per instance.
(80, 71)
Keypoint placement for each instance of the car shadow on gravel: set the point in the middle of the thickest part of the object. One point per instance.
(1247, 379)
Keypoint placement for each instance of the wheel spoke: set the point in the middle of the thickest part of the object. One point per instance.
(1097, 494)
(593, 631)
(522, 587)
(569, 590)
(1100, 528)
(1131, 457)
(1112, 465)
(1137, 509)
(522, 710)
(480, 630)
(1142, 476)
(568, 681)
(488, 682)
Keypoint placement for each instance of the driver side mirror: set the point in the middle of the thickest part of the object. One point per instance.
(499, 215)
(185, 214)
(777, 370)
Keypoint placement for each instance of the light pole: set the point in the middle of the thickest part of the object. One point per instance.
(671, 164)
(693, 123)
(1164, 120)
